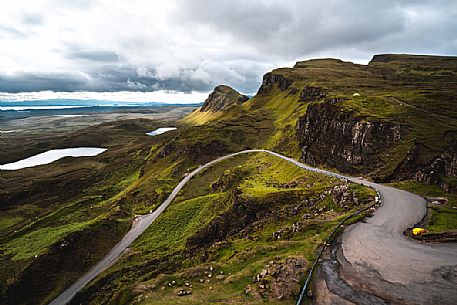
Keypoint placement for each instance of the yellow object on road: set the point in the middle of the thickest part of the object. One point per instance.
(418, 231)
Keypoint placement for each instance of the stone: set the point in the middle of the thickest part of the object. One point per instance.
(270, 79)
(248, 289)
(310, 94)
(336, 138)
(184, 292)
(222, 98)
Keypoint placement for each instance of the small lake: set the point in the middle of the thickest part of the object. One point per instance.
(51, 156)
(160, 131)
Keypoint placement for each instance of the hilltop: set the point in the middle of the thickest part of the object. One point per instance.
(221, 100)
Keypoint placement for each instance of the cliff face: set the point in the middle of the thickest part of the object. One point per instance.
(222, 98)
(270, 79)
(336, 138)
(393, 119)
(441, 170)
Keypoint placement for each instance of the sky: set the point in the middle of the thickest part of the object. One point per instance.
(188, 47)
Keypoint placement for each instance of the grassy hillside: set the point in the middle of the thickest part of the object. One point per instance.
(66, 211)
(234, 220)
(414, 92)
(392, 120)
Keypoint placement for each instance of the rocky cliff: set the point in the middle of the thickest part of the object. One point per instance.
(222, 98)
(393, 119)
(270, 79)
(442, 170)
(331, 136)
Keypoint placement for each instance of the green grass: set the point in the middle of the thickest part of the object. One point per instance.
(242, 259)
(171, 230)
(138, 173)
(267, 186)
(6, 221)
(285, 112)
(37, 242)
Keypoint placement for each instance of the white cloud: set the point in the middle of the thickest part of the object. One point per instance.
(121, 96)
(189, 45)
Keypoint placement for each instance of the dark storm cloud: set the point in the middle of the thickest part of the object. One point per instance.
(103, 80)
(296, 28)
(110, 78)
(199, 44)
(40, 82)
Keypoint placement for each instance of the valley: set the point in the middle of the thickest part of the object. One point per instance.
(238, 227)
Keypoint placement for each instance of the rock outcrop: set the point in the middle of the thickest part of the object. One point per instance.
(310, 94)
(442, 170)
(280, 281)
(450, 161)
(343, 198)
(334, 137)
(270, 79)
(222, 98)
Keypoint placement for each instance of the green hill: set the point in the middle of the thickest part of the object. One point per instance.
(393, 119)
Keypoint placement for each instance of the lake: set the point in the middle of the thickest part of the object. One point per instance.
(160, 131)
(51, 156)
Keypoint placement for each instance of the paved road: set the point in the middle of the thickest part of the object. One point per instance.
(375, 253)
(377, 256)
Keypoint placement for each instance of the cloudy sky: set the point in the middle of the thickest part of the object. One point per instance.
(192, 45)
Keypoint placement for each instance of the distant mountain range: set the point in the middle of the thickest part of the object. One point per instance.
(61, 103)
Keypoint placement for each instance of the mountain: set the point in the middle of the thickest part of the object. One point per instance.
(243, 230)
(222, 99)
(393, 119)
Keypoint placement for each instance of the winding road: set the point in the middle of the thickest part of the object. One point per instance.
(375, 257)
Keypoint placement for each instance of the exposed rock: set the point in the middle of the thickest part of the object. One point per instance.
(222, 98)
(239, 216)
(271, 79)
(334, 137)
(441, 170)
(248, 289)
(309, 94)
(183, 292)
(343, 198)
(292, 91)
(281, 281)
(287, 232)
(450, 161)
